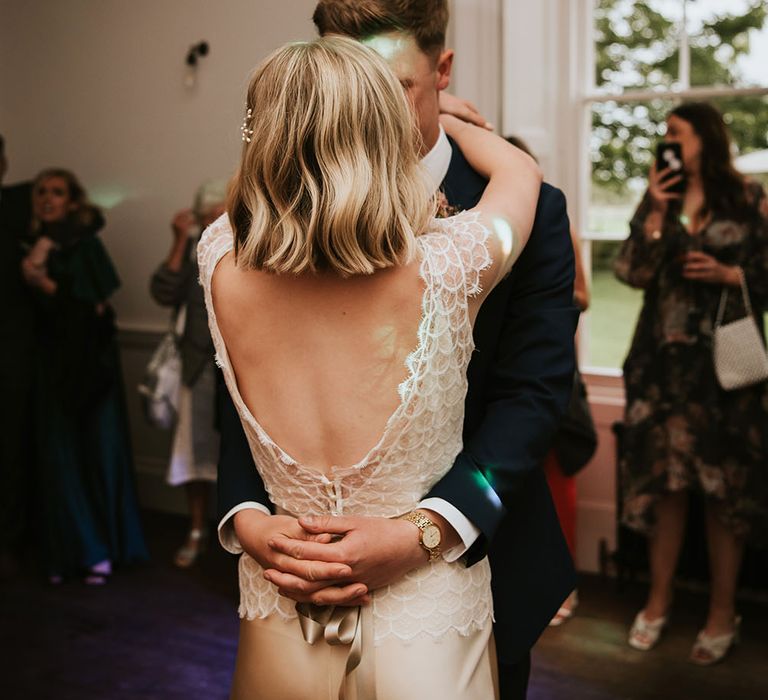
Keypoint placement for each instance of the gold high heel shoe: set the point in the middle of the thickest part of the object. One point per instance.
(708, 650)
(196, 544)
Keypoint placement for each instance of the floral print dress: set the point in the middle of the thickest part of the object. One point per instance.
(682, 431)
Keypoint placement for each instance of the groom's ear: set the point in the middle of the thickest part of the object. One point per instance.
(444, 66)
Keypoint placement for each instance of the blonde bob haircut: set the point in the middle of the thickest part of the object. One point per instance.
(331, 178)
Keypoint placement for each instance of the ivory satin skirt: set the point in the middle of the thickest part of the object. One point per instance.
(274, 662)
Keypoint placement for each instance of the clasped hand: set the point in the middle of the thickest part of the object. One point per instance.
(33, 266)
(704, 268)
(329, 560)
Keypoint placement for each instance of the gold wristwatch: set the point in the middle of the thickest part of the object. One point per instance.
(430, 537)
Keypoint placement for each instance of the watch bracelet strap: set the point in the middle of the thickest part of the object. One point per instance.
(422, 522)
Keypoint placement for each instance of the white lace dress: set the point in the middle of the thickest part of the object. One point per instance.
(443, 605)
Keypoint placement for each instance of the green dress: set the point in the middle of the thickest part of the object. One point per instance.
(681, 430)
(85, 463)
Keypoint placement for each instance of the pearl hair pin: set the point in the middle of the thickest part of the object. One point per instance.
(245, 131)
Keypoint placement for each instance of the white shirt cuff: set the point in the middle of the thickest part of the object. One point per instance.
(463, 526)
(227, 536)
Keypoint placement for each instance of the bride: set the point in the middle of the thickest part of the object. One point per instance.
(341, 313)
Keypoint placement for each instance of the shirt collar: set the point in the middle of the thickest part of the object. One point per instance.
(438, 159)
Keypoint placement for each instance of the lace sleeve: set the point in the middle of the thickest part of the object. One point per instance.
(216, 241)
(469, 237)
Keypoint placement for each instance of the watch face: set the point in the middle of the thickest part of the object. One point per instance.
(431, 537)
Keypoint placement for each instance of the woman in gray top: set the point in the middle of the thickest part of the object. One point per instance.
(196, 441)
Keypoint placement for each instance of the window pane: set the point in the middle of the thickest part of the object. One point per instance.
(637, 48)
(613, 310)
(623, 144)
(622, 148)
(636, 44)
(728, 42)
(747, 120)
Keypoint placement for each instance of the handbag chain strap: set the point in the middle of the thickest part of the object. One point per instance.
(724, 299)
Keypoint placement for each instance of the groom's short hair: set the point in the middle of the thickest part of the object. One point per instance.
(426, 20)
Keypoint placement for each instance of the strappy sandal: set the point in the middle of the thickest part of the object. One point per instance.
(564, 614)
(644, 634)
(708, 651)
(196, 544)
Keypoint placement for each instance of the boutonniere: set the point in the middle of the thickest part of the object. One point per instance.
(444, 209)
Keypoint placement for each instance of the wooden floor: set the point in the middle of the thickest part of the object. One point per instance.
(157, 633)
(588, 657)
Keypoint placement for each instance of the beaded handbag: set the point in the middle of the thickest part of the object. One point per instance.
(739, 350)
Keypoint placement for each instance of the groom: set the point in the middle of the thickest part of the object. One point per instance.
(495, 499)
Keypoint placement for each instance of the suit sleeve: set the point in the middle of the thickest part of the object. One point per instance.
(531, 378)
(238, 479)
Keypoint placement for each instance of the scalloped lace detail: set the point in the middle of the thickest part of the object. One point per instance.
(417, 448)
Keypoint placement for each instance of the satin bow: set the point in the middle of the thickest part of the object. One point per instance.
(339, 625)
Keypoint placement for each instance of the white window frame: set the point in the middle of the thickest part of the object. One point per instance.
(582, 55)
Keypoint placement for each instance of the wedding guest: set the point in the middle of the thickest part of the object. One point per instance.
(683, 432)
(17, 344)
(196, 440)
(90, 518)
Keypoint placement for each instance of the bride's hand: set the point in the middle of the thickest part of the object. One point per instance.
(255, 530)
(379, 551)
(463, 109)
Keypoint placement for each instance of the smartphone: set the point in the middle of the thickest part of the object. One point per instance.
(670, 155)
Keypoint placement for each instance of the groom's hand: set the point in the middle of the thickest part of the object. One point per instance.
(255, 530)
(379, 551)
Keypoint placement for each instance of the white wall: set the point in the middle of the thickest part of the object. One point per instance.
(539, 83)
(475, 35)
(97, 86)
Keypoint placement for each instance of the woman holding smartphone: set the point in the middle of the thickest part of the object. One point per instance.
(683, 432)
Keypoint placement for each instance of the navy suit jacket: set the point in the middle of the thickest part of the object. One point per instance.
(520, 380)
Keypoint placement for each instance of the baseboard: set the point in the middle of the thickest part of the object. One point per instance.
(596, 523)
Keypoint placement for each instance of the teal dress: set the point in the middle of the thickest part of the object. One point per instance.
(85, 466)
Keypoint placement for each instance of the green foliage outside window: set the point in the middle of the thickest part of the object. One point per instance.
(637, 47)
